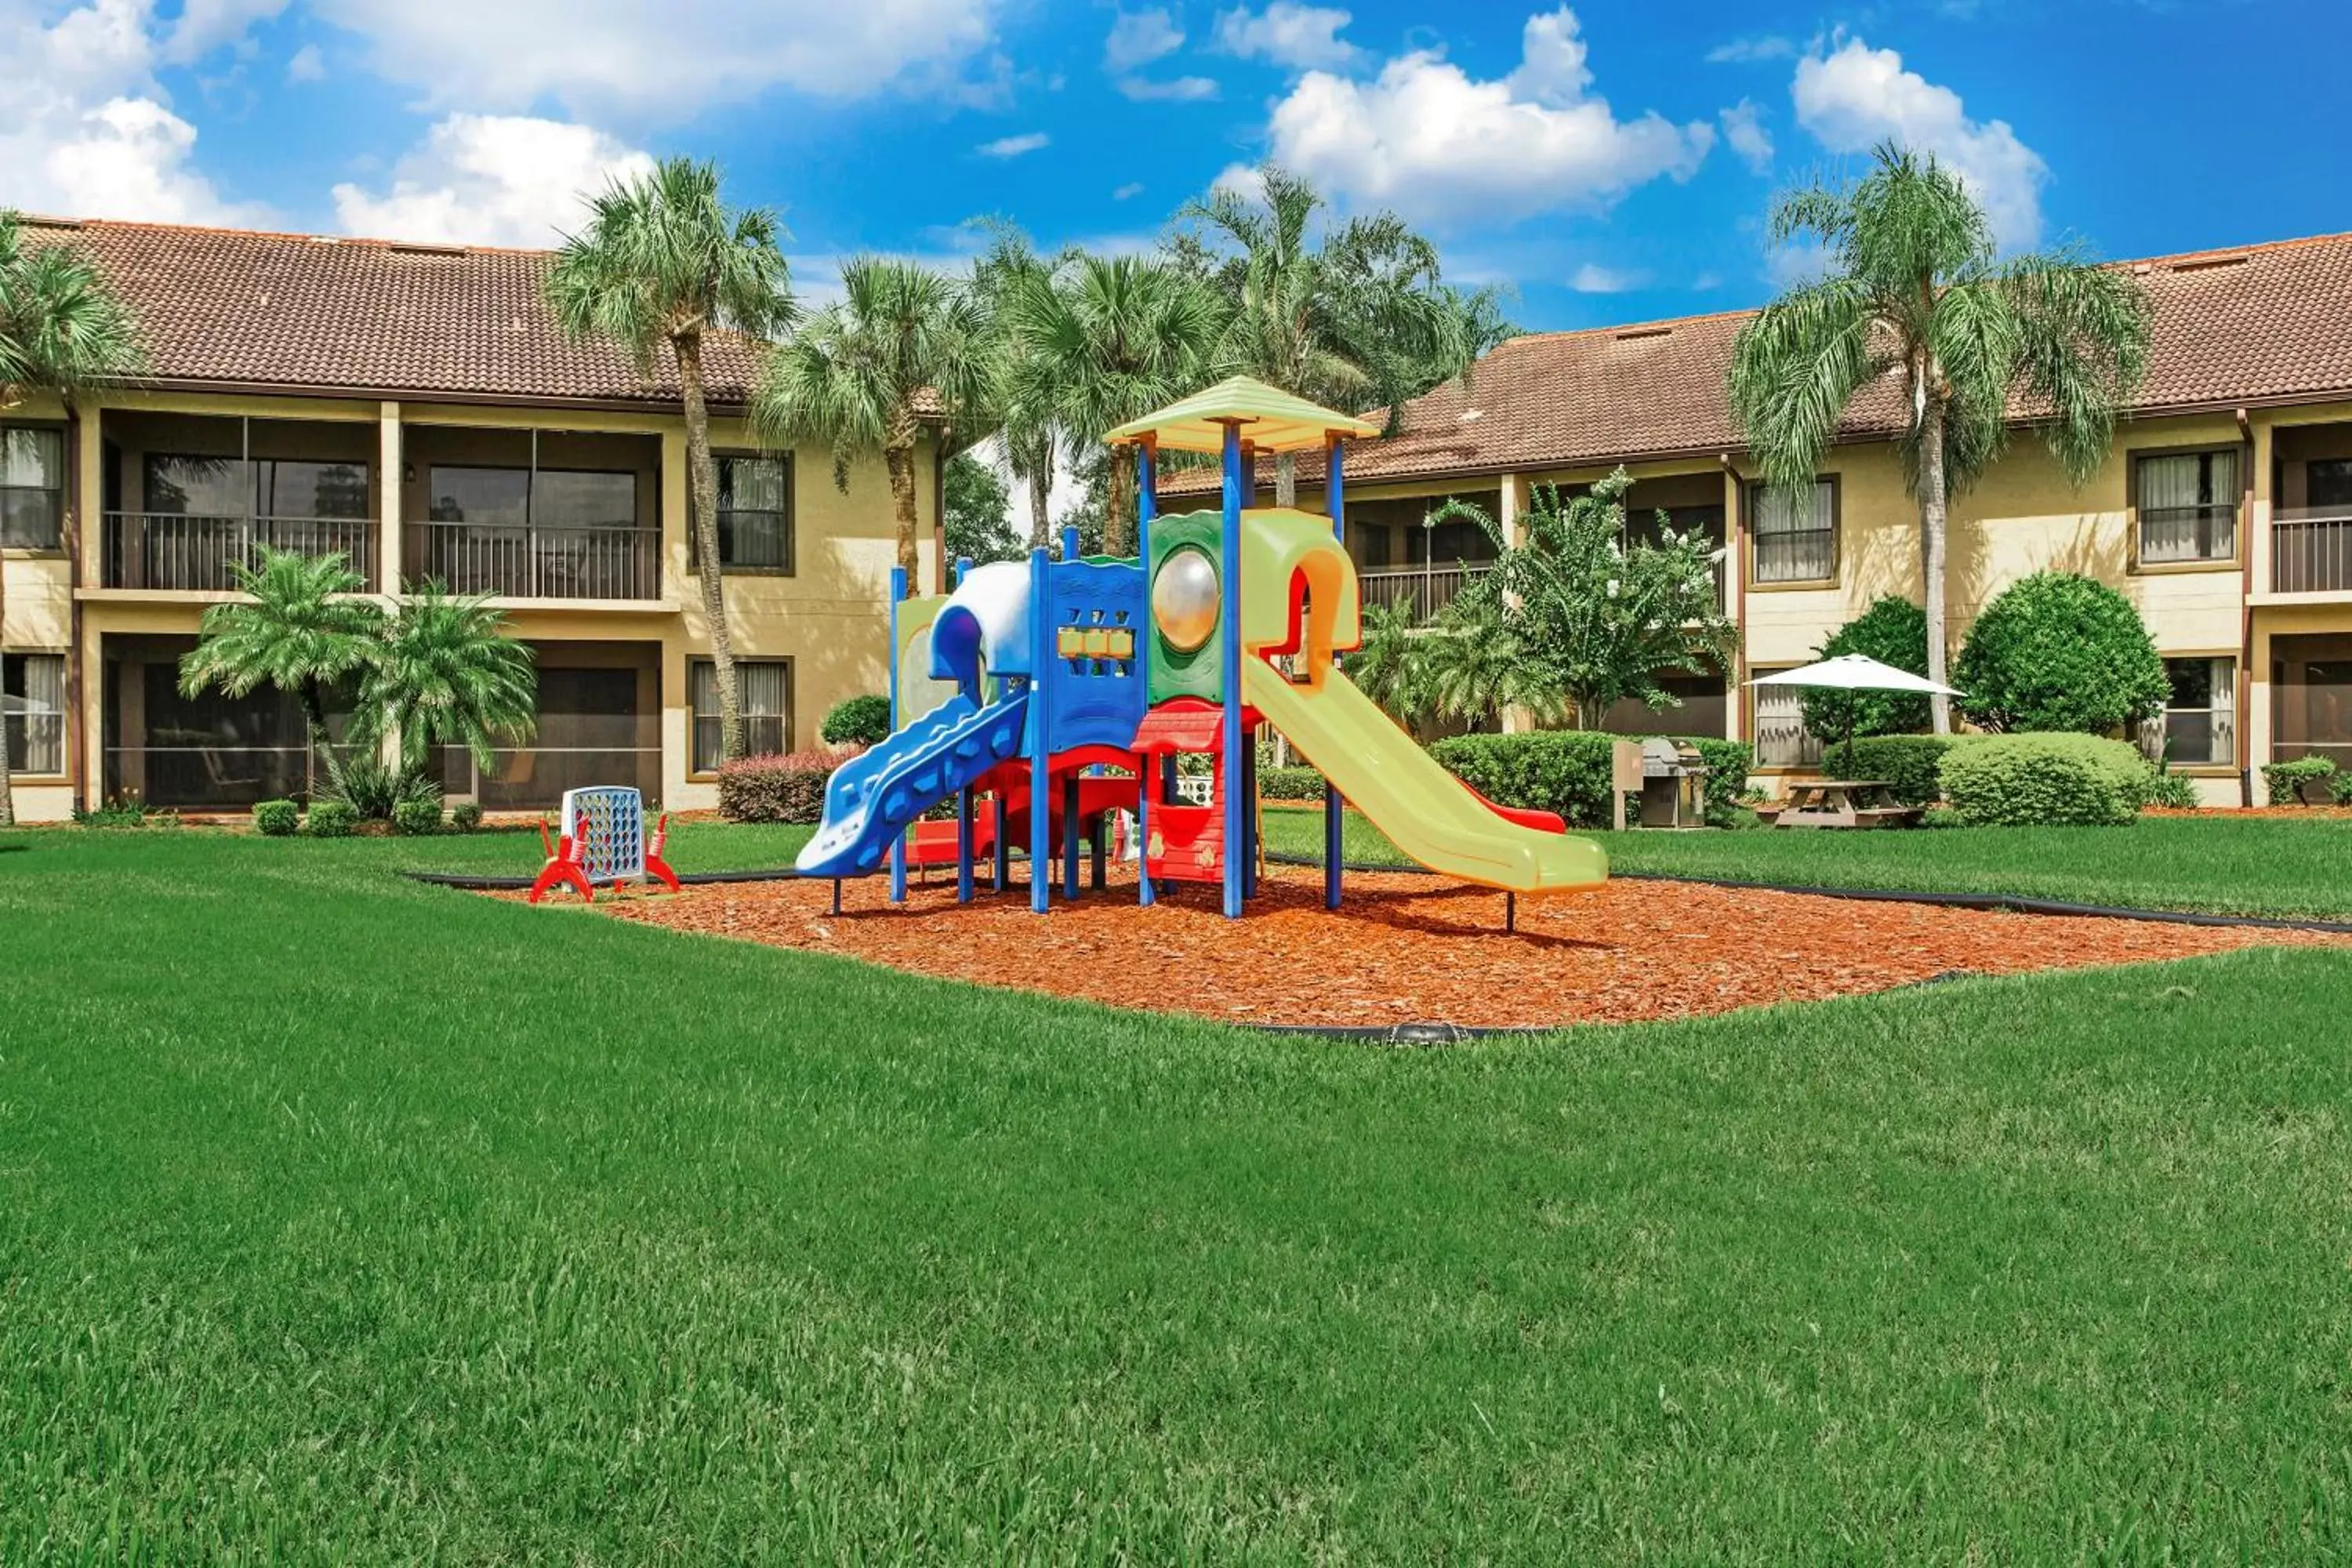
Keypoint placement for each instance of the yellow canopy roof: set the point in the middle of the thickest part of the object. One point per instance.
(1271, 421)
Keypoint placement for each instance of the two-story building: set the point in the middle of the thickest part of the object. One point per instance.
(413, 408)
(2224, 510)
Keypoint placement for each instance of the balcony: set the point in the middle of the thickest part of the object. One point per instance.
(2311, 550)
(1419, 592)
(199, 554)
(531, 561)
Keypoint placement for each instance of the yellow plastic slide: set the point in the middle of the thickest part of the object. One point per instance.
(1425, 811)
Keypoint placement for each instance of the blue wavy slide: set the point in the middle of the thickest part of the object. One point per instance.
(873, 798)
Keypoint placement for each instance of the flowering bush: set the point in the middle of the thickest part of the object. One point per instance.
(787, 786)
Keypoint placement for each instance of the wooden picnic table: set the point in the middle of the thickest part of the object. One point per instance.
(1840, 803)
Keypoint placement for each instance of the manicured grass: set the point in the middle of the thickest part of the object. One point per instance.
(2249, 866)
(342, 1218)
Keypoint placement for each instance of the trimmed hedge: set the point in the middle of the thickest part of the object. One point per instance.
(1906, 762)
(787, 786)
(277, 818)
(856, 721)
(1289, 783)
(2058, 651)
(2305, 781)
(332, 818)
(415, 819)
(466, 816)
(2045, 779)
(1568, 772)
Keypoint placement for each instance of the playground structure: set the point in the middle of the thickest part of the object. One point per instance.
(1030, 679)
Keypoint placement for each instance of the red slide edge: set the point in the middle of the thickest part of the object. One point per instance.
(1541, 821)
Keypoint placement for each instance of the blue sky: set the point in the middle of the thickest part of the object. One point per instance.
(1612, 161)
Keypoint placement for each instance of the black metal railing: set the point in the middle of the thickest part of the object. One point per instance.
(2311, 550)
(202, 554)
(1418, 591)
(535, 562)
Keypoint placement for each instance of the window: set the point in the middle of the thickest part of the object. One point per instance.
(765, 689)
(1796, 535)
(755, 514)
(182, 484)
(2187, 504)
(33, 698)
(2328, 483)
(299, 488)
(2198, 726)
(580, 498)
(1781, 739)
(499, 497)
(1372, 545)
(32, 488)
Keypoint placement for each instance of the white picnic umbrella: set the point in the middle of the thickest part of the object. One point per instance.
(1855, 672)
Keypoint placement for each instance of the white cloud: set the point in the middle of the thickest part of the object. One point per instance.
(1139, 37)
(204, 26)
(86, 130)
(307, 64)
(1301, 37)
(1436, 144)
(1014, 146)
(1744, 133)
(1856, 97)
(1129, 191)
(1591, 278)
(621, 58)
(1748, 51)
(481, 179)
(1178, 89)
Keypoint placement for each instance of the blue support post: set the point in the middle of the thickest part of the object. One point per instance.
(898, 845)
(962, 569)
(1147, 507)
(1041, 650)
(1070, 543)
(1229, 631)
(1334, 494)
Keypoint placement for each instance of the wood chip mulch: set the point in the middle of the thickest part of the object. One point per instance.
(1407, 948)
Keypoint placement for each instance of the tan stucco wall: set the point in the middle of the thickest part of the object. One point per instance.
(829, 618)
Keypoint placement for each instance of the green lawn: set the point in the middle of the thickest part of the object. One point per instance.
(2247, 866)
(343, 1218)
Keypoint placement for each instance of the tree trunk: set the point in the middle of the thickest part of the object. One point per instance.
(898, 462)
(1041, 499)
(702, 477)
(1286, 479)
(1119, 525)
(1932, 518)
(314, 730)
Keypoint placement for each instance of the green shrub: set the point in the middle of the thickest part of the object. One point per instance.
(1289, 783)
(2305, 781)
(856, 721)
(277, 818)
(333, 819)
(466, 816)
(416, 818)
(1906, 762)
(1893, 631)
(2038, 780)
(786, 787)
(375, 790)
(124, 810)
(1569, 771)
(2166, 788)
(2059, 652)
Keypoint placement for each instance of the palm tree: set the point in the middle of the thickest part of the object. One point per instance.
(62, 330)
(1362, 322)
(1027, 433)
(663, 261)
(305, 631)
(1474, 665)
(1387, 667)
(1916, 298)
(1105, 340)
(858, 375)
(445, 672)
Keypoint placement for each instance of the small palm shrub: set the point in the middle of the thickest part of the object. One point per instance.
(333, 819)
(784, 787)
(2305, 781)
(277, 818)
(2175, 791)
(856, 721)
(416, 818)
(2045, 779)
(376, 791)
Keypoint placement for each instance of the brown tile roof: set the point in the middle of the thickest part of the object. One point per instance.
(2256, 324)
(264, 311)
